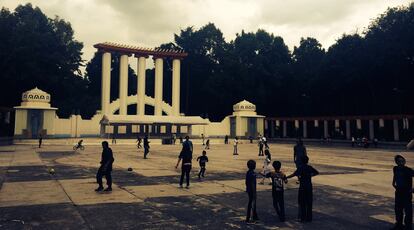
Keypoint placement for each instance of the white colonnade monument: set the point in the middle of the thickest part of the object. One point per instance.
(166, 119)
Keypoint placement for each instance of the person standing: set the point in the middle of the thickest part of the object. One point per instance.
(305, 173)
(402, 182)
(202, 138)
(186, 156)
(208, 144)
(105, 169)
(113, 140)
(251, 184)
(40, 140)
(146, 147)
(260, 147)
(299, 152)
(235, 144)
(353, 142)
(226, 139)
(278, 181)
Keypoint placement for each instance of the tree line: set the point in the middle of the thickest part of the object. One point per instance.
(365, 73)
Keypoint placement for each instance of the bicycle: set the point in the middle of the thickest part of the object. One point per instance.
(76, 147)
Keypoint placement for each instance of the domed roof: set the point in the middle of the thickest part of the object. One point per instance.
(244, 106)
(36, 95)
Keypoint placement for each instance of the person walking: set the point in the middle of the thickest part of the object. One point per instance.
(235, 144)
(105, 169)
(186, 156)
(146, 147)
(139, 140)
(40, 140)
(251, 184)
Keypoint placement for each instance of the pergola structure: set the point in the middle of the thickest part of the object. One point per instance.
(108, 108)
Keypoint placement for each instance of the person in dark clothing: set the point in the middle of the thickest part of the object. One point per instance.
(208, 144)
(113, 140)
(299, 152)
(181, 139)
(139, 140)
(251, 139)
(305, 173)
(402, 182)
(40, 140)
(186, 156)
(203, 159)
(261, 147)
(267, 154)
(251, 192)
(106, 168)
(226, 139)
(278, 180)
(146, 147)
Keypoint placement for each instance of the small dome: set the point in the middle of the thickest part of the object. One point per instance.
(244, 106)
(36, 95)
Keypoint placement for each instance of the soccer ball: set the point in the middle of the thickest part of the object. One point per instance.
(52, 171)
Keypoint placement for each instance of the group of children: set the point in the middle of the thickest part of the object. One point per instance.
(305, 173)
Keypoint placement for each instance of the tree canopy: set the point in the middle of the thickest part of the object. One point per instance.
(360, 74)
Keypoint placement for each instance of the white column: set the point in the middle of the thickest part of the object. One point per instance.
(325, 129)
(106, 83)
(123, 84)
(396, 130)
(348, 129)
(176, 87)
(371, 130)
(158, 86)
(141, 87)
(305, 129)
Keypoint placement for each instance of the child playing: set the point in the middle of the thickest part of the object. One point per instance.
(208, 144)
(402, 182)
(278, 179)
(251, 192)
(305, 173)
(235, 144)
(202, 161)
(266, 170)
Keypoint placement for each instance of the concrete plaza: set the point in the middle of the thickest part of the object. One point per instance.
(353, 191)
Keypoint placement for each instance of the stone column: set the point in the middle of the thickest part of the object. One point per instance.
(325, 129)
(123, 84)
(305, 130)
(371, 130)
(141, 86)
(158, 86)
(284, 129)
(106, 83)
(396, 130)
(176, 87)
(348, 129)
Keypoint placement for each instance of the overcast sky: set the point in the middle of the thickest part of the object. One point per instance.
(152, 22)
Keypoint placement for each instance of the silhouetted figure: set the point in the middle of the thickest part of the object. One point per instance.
(260, 147)
(105, 169)
(278, 181)
(402, 182)
(251, 139)
(226, 139)
(174, 139)
(202, 138)
(208, 144)
(113, 140)
(299, 152)
(202, 160)
(267, 154)
(186, 156)
(375, 142)
(235, 144)
(139, 141)
(40, 140)
(146, 147)
(251, 192)
(305, 173)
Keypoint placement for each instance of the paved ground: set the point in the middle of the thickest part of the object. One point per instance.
(353, 191)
